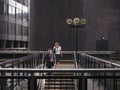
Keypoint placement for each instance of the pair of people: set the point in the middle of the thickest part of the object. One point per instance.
(53, 56)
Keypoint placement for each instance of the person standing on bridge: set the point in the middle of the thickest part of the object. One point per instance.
(50, 59)
(57, 49)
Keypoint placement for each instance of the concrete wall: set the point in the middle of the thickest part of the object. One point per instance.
(103, 18)
(48, 23)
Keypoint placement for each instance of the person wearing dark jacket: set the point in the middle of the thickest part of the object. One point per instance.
(50, 59)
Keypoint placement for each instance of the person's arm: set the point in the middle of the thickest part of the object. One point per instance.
(54, 49)
(61, 53)
(45, 59)
(54, 58)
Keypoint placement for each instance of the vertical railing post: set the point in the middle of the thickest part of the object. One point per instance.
(12, 80)
(43, 61)
(18, 80)
(116, 83)
(82, 83)
(3, 81)
(32, 82)
(35, 62)
(105, 81)
(13, 55)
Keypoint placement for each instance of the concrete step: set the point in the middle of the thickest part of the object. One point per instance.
(66, 61)
(66, 64)
(60, 87)
(61, 84)
(59, 81)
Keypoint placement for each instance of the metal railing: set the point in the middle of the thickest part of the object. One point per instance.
(29, 61)
(28, 73)
(84, 84)
(88, 61)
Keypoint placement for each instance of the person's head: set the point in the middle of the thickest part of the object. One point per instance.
(102, 38)
(50, 51)
(57, 44)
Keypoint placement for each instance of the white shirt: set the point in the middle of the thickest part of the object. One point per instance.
(57, 50)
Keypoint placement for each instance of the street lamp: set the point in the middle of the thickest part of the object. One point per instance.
(76, 23)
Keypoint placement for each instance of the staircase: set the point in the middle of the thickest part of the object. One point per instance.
(61, 83)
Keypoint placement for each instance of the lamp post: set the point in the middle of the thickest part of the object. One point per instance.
(76, 23)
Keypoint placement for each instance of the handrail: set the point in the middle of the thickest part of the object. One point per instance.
(75, 60)
(65, 52)
(19, 59)
(81, 77)
(32, 60)
(97, 52)
(35, 70)
(101, 60)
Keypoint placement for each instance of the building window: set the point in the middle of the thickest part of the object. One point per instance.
(1, 8)
(16, 12)
(11, 11)
(25, 31)
(25, 13)
(5, 11)
(11, 28)
(25, 2)
(3, 27)
(15, 44)
(18, 29)
(19, 14)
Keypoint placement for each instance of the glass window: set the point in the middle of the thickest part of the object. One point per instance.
(5, 9)
(11, 11)
(21, 12)
(5, 27)
(25, 31)
(25, 13)
(1, 8)
(18, 14)
(11, 28)
(18, 29)
(1, 28)
(25, 16)
(20, 1)
(25, 2)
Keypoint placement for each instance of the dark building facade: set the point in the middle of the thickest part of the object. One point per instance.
(13, 24)
(103, 18)
(48, 24)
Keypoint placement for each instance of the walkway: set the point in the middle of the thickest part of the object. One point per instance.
(70, 64)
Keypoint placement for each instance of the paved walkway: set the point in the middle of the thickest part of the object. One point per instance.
(66, 64)
(92, 84)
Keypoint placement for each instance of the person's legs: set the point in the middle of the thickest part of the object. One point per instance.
(57, 60)
(50, 65)
(56, 64)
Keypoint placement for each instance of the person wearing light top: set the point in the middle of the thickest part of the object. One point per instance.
(57, 49)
